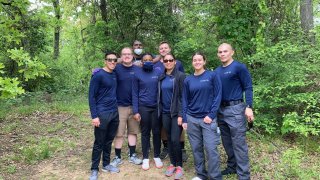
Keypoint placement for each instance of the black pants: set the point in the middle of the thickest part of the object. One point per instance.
(104, 136)
(150, 121)
(173, 131)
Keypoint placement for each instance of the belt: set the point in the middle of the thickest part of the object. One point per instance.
(231, 103)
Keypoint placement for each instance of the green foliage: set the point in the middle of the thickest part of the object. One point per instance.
(285, 77)
(9, 87)
(30, 68)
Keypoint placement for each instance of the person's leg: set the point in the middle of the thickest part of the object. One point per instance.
(145, 124)
(133, 130)
(238, 129)
(226, 140)
(111, 131)
(97, 148)
(118, 141)
(194, 132)
(156, 132)
(174, 141)
(211, 138)
(164, 139)
(166, 122)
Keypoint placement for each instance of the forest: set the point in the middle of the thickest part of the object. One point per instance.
(50, 47)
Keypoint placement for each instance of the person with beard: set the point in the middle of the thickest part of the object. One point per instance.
(144, 101)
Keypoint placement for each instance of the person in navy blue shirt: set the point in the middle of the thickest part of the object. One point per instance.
(164, 49)
(201, 100)
(170, 106)
(104, 114)
(236, 81)
(144, 101)
(127, 124)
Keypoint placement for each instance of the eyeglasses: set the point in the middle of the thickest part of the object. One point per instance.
(147, 60)
(111, 60)
(168, 60)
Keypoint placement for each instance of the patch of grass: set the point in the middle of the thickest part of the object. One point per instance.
(9, 128)
(11, 169)
(56, 127)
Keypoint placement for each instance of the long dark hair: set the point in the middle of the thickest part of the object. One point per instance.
(203, 56)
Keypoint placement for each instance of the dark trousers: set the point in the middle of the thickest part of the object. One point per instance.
(204, 136)
(104, 135)
(173, 131)
(149, 121)
(232, 124)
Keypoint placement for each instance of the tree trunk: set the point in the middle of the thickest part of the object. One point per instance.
(56, 5)
(104, 13)
(306, 17)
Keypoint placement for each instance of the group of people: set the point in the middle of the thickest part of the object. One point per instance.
(142, 92)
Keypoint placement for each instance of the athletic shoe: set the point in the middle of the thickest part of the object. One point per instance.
(228, 171)
(164, 153)
(170, 170)
(116, 161)
(94, 175)
(111, 169)
(196, 178)
(135, 160)
(179, 173)
(184, 155)
(145, 164)
(158, 162)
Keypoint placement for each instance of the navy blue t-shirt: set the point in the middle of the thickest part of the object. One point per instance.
(124, 80)
(167, 92)
(144, 89)
(102, 93)
(201, 95)
(236, 79)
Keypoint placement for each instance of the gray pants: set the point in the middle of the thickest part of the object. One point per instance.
(232, 123)
(204, 135)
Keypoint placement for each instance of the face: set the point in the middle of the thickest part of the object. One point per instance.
(110, 61)
(147, 58)
(225, 53)
(137, 45)
(198, 62)
(126, 55)
(164, 49)
(169, 62)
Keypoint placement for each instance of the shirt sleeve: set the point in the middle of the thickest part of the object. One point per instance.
(185, 101)
(246, 83)
(93, 94)
(217, 94)
(135, 94)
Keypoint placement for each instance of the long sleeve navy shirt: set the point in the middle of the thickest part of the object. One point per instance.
(124, 80)
(144, 89)
(236, 79)
(102, 93)
(201, 95)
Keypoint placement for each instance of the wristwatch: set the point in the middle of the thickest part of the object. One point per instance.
(249, 106)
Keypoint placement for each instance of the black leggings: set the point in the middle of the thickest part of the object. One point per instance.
(173, 131)
(149, 120)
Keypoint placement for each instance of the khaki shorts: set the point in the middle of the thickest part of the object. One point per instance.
(126, 122)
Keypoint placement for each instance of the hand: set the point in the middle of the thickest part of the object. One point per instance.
(185, 126)
(179, 121)
(207, 120)
(137, 117)
(249, 114)
(96, 122)
(156, 59)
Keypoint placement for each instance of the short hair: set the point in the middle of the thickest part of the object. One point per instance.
(201, 54)
(164, 42)
(109, 53)
(170, 55)
(136, 41)
(225, 43)
(146, 54)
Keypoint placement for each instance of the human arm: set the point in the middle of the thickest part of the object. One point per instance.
(246, 83)
(217, 94)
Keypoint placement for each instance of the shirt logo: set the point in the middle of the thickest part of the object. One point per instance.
(131, 73)
(227, 72)
(154, 77)
(204, 80)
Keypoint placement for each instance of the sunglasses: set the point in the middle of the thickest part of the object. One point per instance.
(111, 60)
(145, 60)
(168, 60)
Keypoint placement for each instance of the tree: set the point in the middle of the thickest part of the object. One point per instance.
(306, 16)
(56, 48)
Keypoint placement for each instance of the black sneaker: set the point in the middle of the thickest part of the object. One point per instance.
(228, 171)
(164, 153)
(184, 155)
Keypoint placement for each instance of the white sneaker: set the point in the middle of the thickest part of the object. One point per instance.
(145, 164)
(158, 162)
(196, 178)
